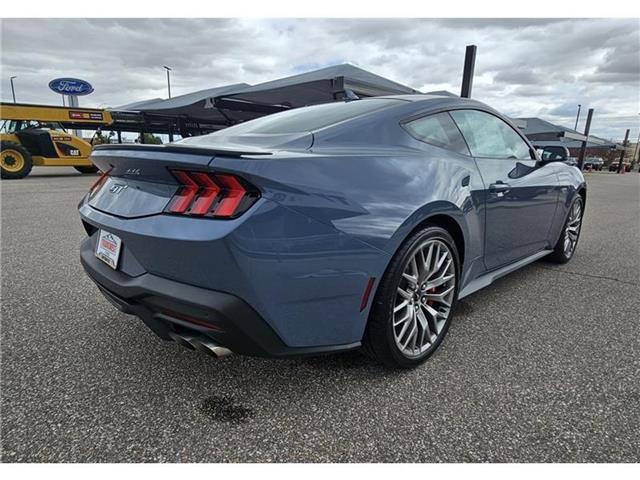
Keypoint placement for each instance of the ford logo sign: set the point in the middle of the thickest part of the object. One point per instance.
(70, 86)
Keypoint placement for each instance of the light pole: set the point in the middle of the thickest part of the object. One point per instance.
(13, 92)
(624, 150)
(637, 153)
(577, 118)
(168, 79)
(583, 148)
(467, 72)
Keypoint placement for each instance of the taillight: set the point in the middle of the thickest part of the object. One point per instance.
(204, 194)
(97, 185)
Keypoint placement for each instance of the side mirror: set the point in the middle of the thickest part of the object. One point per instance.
(552, 153)
(112, 133)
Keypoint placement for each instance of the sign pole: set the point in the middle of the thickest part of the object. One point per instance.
(69, 89)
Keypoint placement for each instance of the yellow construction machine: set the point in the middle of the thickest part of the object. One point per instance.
(40, 135)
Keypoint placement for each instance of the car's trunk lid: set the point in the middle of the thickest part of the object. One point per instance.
(140, 182)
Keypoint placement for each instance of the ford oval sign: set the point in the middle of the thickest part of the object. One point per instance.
(70, 86)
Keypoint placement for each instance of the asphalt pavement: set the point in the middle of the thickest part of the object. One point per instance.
(542, 366)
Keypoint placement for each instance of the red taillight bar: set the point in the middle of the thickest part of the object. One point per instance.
(202, 204)
(235, 193)
(181, 200)
(211, 195)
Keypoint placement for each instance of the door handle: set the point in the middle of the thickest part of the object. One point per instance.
(499, 188)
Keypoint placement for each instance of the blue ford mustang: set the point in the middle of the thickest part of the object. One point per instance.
(325, 228)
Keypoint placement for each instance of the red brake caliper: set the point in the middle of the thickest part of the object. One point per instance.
(431, 290)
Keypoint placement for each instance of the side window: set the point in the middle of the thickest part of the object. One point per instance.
(489, 136)
(438, 130)
(11, 126)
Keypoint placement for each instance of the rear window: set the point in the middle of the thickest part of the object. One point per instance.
(439, 130)
(308, 118)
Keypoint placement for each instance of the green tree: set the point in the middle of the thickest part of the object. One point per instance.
(152, 139)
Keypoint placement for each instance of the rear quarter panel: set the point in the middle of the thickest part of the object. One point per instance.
(376, 196)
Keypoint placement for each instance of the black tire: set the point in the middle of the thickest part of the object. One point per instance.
(560, 253)
(91, 169)
(379, 342)
(22, 156)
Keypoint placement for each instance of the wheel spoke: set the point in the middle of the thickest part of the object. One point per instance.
(414, 268)
(423, 259)
(412, 333)
(402, 320)
(436, 257)
(440, 281)
(441, 261)
(426, 328)
(410, 278)
(432, 318)
(401, 306)
(406, 325)
(405, 294)
(414, 336)
(427, 262)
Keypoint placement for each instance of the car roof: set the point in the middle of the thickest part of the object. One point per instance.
(434, 101)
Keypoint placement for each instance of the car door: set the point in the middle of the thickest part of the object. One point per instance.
(520, 194)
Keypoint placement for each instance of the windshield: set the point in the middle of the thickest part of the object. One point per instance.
(308, 118)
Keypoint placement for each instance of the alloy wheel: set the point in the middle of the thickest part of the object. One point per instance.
(572, 230)
(424, 297)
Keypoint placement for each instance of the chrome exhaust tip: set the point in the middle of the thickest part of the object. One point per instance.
(211, 348)
(184, 340)
(200, 343)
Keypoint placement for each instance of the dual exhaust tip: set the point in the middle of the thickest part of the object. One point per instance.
(203, 344)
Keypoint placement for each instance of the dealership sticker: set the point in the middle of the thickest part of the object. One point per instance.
(108, 249)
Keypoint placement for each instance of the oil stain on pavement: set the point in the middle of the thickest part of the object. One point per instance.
(223, 409)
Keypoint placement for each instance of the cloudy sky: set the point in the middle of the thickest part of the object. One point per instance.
(524, 68)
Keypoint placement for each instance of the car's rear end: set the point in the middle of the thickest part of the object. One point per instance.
(153, 233)
(184, 238)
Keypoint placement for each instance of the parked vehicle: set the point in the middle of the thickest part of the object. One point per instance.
(326, 228)
(37, 135)
(595, 163)
(613, 166)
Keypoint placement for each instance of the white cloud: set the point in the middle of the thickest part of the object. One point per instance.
(525, 67)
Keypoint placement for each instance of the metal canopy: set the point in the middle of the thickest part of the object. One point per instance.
(217, 108)
(538, 130)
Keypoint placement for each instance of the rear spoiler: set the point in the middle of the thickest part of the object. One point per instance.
(177, 148)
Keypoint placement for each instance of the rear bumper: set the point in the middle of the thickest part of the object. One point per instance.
(168, 307)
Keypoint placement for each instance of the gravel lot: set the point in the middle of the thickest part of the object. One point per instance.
(543, 366)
